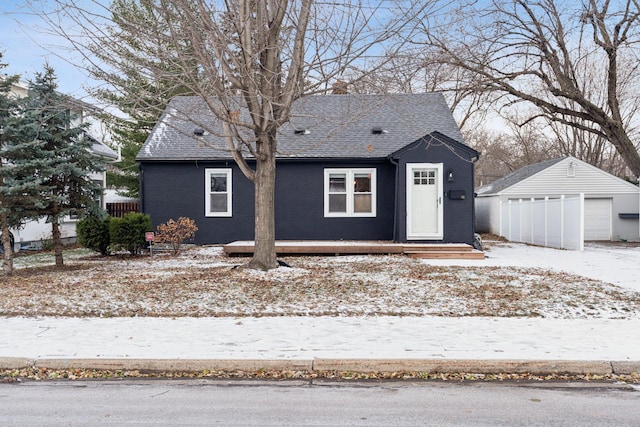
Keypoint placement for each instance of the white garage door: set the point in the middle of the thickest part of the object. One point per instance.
(597, 219)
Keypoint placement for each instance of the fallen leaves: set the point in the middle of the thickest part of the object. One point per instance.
(42, 374)
(202, 283)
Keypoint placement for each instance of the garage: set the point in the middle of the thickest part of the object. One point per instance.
(611, 204)
(597, 219)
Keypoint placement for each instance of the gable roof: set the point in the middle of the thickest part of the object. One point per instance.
(102, 149)
(552, 177)
(517, 176)
(328, 126)
(436, 138)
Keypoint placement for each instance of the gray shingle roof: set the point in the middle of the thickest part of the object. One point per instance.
(337, 126)
(103, 150)
(516, 176)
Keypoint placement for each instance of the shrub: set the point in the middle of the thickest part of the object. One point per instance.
(93, 233)
(128, 232)
(176, 232)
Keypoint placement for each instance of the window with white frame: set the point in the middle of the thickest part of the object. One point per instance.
(217, 192)
(349, 192)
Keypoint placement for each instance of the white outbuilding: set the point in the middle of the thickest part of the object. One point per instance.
(611, 204)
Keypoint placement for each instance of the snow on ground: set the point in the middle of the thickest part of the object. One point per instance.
(612, 263)
(371, 337)
(306, 338)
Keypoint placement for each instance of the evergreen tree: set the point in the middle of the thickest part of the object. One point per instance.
(6, 110)
(61, 151)
(141, 96)
(15, 194)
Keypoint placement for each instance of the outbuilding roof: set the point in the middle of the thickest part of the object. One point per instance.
(321, 126)
(517, 176)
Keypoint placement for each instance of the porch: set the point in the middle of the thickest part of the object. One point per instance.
(329, 247)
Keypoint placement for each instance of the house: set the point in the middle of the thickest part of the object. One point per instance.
(610, 204)
(34, 232)
(349, 167)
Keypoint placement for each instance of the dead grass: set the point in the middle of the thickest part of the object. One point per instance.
(203, 282)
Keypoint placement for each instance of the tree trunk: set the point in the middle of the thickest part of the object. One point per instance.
(57, 241)
(623, 144)
(264, 254)
(7, 255)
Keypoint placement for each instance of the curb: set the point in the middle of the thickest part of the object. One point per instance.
(535, 367)
(15, 362)
(175, 365)
(429, 366)
(626, 368)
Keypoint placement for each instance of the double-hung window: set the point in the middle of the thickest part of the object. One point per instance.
(217, 192)
(349, 192)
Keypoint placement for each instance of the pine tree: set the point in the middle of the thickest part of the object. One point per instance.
(8, 115)
(141, 96)
(61, 154)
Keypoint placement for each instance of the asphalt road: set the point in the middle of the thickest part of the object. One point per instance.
(298, 403)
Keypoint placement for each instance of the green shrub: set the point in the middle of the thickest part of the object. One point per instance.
(128, 232)
(93, 233)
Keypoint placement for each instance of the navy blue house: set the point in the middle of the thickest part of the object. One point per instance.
(349, 167)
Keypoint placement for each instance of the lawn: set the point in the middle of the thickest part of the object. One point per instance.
(202, 281)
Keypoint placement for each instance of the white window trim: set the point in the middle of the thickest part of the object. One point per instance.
(207, 192)
(350, 173)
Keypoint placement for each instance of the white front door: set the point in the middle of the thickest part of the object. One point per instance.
(424, 201)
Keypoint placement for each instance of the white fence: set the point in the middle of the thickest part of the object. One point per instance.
(556, 223)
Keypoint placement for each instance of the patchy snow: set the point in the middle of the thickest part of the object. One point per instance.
(393, 337)
(158, 136)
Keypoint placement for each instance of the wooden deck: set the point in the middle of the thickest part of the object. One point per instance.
(321, 247)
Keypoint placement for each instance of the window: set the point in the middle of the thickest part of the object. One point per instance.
(217, 192)
(424, 177)
(349, 192)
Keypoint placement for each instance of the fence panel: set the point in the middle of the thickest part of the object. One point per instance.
(556, 223)
(119, 209)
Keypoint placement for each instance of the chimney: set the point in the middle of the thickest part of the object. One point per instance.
(340, 88)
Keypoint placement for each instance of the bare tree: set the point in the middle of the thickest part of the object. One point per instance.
(549, 53)
(259, 56)
(511, 148)
(420, 70)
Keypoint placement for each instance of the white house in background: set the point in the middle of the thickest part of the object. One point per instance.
(33, 233)
(611, 204)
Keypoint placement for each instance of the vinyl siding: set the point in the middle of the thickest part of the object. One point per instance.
(588, 179)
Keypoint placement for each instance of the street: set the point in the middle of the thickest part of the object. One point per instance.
(301, 403)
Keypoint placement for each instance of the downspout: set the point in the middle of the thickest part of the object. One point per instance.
(395, 204)
(141, 187)
(473, 193)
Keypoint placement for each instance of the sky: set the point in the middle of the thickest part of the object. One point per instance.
(26, 47)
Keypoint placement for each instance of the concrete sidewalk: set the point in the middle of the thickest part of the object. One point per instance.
(429, 344)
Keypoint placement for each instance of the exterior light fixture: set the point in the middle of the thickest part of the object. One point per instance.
(450, 177)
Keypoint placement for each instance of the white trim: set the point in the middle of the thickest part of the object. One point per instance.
(350, 177)
(207, 192)
(439, 234)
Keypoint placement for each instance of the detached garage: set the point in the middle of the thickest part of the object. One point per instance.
(611, 204)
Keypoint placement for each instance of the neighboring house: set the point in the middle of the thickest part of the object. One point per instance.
(349, 167)
(34, 232)
(610, 207)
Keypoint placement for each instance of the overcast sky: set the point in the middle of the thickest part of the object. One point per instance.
(26, 47)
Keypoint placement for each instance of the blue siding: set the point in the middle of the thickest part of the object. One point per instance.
(176, 188)
(458, 214)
